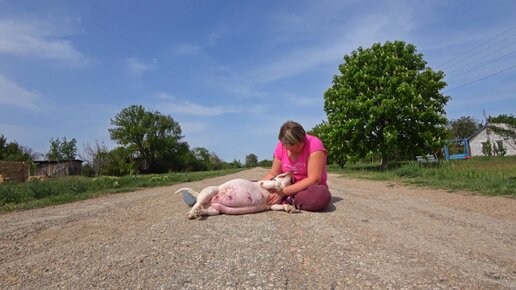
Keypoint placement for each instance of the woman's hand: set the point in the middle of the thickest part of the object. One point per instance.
(274, 198)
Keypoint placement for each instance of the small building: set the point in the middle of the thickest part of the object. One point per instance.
(58, 168)
(13, 171)
(485, 134)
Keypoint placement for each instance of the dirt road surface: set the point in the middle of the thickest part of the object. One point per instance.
(375, 235)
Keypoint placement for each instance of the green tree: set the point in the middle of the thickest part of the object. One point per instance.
(215, 162)
(203, 157)
(265, 163)
(504, 125)
(12, 151)
(3, 143)
(62, 149)
(487, 149)
(321, 131)
(96, 157)
(251, 160)
(463, 127)
(235, 164)
(384, 101)
(151, 135)
(120, 163)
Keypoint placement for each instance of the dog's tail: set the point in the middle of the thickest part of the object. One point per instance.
(189, 190)
(189, 195)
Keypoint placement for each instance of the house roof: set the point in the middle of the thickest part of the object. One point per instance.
(502, 125)
(477, 132)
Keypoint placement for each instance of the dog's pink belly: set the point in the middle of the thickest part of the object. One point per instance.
(240, 197)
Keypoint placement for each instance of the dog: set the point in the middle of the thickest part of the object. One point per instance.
(239, 196)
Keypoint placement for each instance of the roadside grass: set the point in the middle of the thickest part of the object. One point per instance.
(40, 193)
(484, 175)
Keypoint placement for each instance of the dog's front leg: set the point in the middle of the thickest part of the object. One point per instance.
(285, 207)
(267, 184)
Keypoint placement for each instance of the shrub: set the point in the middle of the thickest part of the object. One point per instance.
(410, 170)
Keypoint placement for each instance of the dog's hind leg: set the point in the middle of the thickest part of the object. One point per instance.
(203, 199)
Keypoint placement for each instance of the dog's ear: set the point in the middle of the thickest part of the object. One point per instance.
(285, 174)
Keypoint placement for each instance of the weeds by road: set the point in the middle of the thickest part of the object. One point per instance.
(485, 175)
(39, 193)
(490, 176)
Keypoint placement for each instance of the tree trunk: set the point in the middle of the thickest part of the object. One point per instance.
(384, 162)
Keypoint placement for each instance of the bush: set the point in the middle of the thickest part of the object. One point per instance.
(410, 170)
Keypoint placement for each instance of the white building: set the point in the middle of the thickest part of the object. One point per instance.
(485, 134)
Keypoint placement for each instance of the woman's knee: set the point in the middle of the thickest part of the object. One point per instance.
(314, 198)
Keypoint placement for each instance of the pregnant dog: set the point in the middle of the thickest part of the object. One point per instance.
(239, 196)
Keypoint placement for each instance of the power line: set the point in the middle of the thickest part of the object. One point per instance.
(482, 57)
(455, 60)
(485, 48)
(484, 64)
(480, 79)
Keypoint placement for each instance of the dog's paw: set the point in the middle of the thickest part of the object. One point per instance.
(291, 209)
(194, 213)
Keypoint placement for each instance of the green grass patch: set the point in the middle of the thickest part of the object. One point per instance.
(39, 193)
(485, 175)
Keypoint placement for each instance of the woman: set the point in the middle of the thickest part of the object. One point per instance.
(305, 156)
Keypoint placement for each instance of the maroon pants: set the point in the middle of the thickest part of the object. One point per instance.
(313, 198)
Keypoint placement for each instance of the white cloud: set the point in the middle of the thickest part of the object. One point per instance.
(39, 39)
(302, 101)
(14, 132)
(187, 49)
(164, 96)
(138, 68)
(13, 95)
(189, 108)
(346, 35)
(192, 127)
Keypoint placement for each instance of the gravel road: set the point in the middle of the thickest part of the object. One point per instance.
(376, 235)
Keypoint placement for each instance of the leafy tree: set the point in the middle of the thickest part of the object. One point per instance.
(385, 100)
(251, 160)
(463, 127)
(121, 162)
(62, 149)
(12, 151)
(3, 143)
(487, 149)
(235, 164)
(504, 125)
(321, 131)
(96, 157)
(153, 136)
(265, 163)
(215, 162)
(202, 157)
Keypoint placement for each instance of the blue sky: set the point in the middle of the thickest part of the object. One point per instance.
(230, 72)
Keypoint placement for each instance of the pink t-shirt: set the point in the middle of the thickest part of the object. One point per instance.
(299, 167)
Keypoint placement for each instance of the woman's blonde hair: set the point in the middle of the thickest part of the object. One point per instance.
(291, 133)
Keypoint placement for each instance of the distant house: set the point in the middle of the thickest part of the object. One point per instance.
(58, 168)
(142, 164)
(485, 133)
